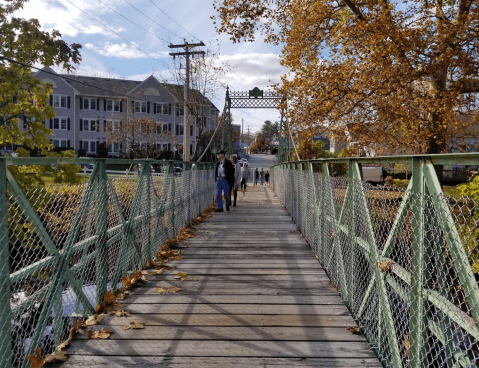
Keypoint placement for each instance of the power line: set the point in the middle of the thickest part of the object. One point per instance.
(129, 20)
(154, 21)
(116, 33)
(70, 79)
(173, 20)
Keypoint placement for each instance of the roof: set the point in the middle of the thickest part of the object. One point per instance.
(111, 84)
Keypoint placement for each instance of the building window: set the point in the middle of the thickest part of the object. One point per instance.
(140, 106)
(166, 128)
(115, 147)
(112, 105)
(163, 108)
(60, 123)
(60, 101)
(90, 125)
(90, 104)
(179, 130)
(201, 120)
(180, 110)
(113, 125)
(61, 143)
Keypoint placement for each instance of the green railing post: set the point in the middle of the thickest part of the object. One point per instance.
(418, 323)
(101, 225)
(172, 190)
(5, 314)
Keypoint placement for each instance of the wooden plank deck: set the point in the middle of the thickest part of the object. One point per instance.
(258, 298)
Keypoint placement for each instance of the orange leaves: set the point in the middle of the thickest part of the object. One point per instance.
(386, 265)
(36, 359)
(102, 334)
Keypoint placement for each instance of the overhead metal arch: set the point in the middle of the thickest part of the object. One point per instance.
(254, 99)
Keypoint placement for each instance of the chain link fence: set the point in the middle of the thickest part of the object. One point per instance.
(62, 247)
(406, 262)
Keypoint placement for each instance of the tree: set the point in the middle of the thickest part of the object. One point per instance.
(260, 143)
(270, 129)
(397, 75)
(138, 137)
(23, 97)
(309, 150)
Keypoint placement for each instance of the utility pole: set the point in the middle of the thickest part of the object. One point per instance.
(186, 111)
(242, 133)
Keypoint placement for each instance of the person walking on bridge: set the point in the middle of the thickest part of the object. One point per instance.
(225, 179)
(237, 183)
(261, 176)
(244, 177)
(255, 177)
(266, 177)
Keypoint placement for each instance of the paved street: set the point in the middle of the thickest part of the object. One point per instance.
(260, 161)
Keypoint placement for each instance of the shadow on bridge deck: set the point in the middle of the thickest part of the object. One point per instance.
(258, 297)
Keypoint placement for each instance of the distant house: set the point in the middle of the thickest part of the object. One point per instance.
(85, 106)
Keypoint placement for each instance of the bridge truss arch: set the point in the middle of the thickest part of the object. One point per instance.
(255, 98)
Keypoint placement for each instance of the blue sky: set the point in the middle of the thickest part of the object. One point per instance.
(131, 52)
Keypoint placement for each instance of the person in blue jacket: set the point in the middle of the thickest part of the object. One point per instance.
(225, 179)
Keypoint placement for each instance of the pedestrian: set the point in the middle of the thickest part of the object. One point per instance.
(261, 176)
(237, 183)
(256, 177)
(266, 177)
(225, 178)
(244, 177)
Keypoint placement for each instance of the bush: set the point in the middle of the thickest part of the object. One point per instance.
(471, 189)
(389, 181)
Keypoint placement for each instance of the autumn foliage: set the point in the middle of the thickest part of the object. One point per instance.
(397, 76)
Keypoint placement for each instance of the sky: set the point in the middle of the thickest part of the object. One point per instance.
(130, 39)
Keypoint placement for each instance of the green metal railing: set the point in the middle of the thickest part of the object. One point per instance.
(404, 260)
(62, 247)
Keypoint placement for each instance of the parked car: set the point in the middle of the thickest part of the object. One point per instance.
(374, 174)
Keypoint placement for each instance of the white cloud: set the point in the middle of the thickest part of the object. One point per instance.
(252, 70)
(123, 51)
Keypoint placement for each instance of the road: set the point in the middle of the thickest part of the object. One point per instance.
(260, 161)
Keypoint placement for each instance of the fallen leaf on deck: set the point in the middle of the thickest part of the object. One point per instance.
(354, 330)
(292, 232)
(109, 298)
(156, 272)
(248, 220)
(102, 334)
(94, 320)
(135, 325)
(36, 359)
(58, 356)
(64, 344)
(175, 289)
(123, 313)
(161, 290)
(97, 308)
(180, 257)
(183, 276)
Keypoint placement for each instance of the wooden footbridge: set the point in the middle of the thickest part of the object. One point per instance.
(257, 298)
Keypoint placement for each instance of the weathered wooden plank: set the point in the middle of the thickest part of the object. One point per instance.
(239, 278)
(249, 252)
(329, 349)
(248, 320)
(233, 299)
(248, 290)
(235, 309)
(198, 284)
(233, 333)
(192, 270)
(215, 362)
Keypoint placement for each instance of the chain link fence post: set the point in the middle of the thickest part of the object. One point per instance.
(5, 312)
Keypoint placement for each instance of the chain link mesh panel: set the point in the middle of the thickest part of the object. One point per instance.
(69, 244)
(405, 261)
